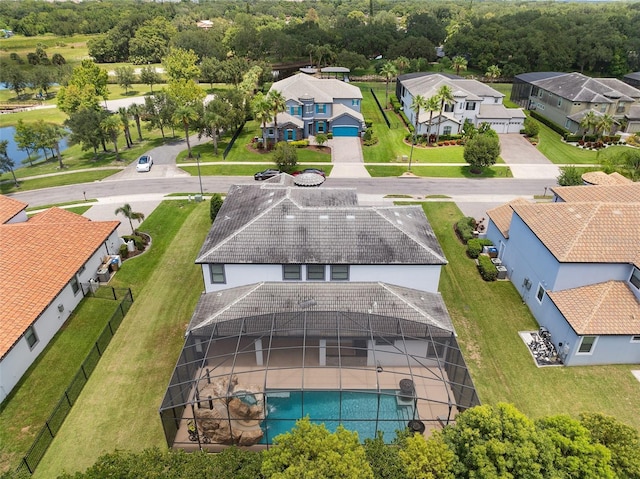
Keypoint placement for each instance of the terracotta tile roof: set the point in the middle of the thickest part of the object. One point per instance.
(38, 259)
(9, 208)
(599, 309)
(619, 193)
(501, 215)
(586, 232)
(601, 178)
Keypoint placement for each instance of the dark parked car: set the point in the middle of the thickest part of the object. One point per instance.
(266, 174)
(309, 170)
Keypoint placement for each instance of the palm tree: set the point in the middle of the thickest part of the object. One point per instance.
(493, 73)
(6, 163)
(401, 63)
(186, 115)
(419, 102)
(389, 71)
(604, 124)
(262, 112)
(588, 121)
(459, 63)
(216, 115)
(432, 104)
(111, 126)
(445, 96)
(128, 213)
(124, 119)
(278, 104)
(136, 111)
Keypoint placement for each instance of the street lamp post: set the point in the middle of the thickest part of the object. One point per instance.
(199, 176)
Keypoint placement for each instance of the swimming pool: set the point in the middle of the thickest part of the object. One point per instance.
(355, 410)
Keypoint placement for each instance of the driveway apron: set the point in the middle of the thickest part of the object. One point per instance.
(346, 157)
(524, 159)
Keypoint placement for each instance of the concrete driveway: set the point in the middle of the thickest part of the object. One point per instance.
(346, 157)
(524, 159)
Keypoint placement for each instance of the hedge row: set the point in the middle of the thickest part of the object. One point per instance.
(557, 128)
(487, 269)
(465, 228)
(475, 245)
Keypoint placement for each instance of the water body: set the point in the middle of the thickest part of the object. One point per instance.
(7, 132)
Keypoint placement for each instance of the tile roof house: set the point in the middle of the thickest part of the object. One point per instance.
(316, 105)
(313, 303)
(474, 101)
(43, 261)
(576, 264)
(565, 98)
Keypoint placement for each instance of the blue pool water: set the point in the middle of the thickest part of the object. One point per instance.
(355, 410)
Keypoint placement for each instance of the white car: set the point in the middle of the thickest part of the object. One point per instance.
(144, 163)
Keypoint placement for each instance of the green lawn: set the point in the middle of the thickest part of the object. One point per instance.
(235, 169)
(119, 406)
(488, 316)
(29, 405)
(87, 176)
(560, 153)
(438, 171)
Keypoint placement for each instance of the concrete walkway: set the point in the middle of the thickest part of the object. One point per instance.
(346, 158)
(524, 159)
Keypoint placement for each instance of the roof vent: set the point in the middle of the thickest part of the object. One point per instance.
(323, 217)
(307, 303)
(290, 217)
(351, 217)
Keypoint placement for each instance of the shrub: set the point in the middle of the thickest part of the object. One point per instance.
(137, 241)
(216, 204)
(487, 269)
(406, 121)
(368, 134)
(475, 245)
(557, 128)
(329, 135)
(371, 141)
(299, 143)
(531, 128)
(124, 252)
(465, 228)
(368, 123)
(395, 104)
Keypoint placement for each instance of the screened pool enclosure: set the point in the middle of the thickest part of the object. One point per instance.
(370, 356)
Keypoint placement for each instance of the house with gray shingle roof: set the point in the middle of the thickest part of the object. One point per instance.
(270, 232)
(315, 306)
(473, 100)
(316, 105)
(576, 264)
(565, 98)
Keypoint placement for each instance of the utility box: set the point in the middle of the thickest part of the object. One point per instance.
(496, 261)
(502, 272)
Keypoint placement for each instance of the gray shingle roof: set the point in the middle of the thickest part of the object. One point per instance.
(578, 87)
(428, 85)
(264, 224)
(368, 305)
(321, 89)
(499, 111)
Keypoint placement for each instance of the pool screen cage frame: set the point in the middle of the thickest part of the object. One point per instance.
(413, 350)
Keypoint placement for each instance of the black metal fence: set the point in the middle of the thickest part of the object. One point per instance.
(384, 115)
(233, 140)
(44, 438)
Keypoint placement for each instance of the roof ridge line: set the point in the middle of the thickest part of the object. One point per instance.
(605, 292)
(387, 287)
(585, 224)
(409, 235)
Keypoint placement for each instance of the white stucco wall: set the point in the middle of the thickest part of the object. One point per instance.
(20, 357)
(395, 354)
(421, 277)
(19, 218)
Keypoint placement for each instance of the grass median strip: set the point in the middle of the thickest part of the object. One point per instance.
(461, 171)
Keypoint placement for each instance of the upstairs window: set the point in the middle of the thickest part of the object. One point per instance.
(315, 272)
(635, 278)
(321, 108)
(449, 107)
(540, 293)
(355, 102)
(308, 109)
(75, 285)
(291, 272)
(470, 105)
(217, 273)
(340, 272)
(31, 337)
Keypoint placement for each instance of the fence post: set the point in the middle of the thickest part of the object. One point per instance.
(98, 349)
(113, 290)
(24, 461)
(49, 429)
(67, 396)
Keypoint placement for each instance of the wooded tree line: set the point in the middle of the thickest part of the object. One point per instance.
(485, 442)
(602, 38)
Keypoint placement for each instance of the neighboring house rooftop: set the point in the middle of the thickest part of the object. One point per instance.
(580, 88)
(594, 232)
(321, 305)
(501, 215)
(633, 76)
(619, 193)
(322, 90)
(39, 258)
(428, 85)
(634, 112)
(536, 76)
(601, 178)
(274, 224)
(9, 208)
(499, 111)
(599, 309)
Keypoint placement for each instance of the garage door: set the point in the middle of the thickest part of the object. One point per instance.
(345, 131)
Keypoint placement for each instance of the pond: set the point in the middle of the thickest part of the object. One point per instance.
(7, 132)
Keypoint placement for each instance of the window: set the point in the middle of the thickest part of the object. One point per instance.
(340, 272)
(635, 339)
(320, 126)
(567, 123)
(308, 110)
(315, 272)
(217, 273)
(270, 132)
(539, 93)
(291, 272)
(449, 107)
(587, 344)
(620, 108)
(321, 108)
(355, 102)
(603, 108)
(446, 130)
(75, 285)
(559, 102)
(635, 278)
(470, 105)
(540, 293)
(31, 337)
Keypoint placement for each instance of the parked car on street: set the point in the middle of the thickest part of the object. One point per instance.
(266, 174)
(144, 163)
(309, 170)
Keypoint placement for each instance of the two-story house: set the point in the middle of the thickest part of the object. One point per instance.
(565, 98)
(315, 306)
(473, 100)
(43, 262)
(576, 264)
(316, 105)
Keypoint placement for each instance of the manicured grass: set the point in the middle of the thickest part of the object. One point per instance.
(236, 169)
(118, 409)
(505, 89)
(66, 203)
(73, 48)
(48, 115)
(86, 176)
(488, 316)
(31, 402)
(438, 171)
(558, 152)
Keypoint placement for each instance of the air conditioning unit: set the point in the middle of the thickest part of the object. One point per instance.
(61, 307)
(527, 283)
